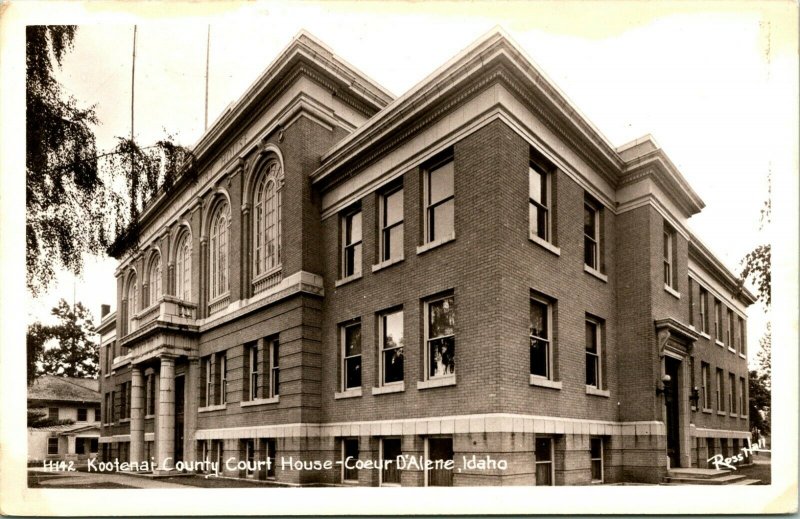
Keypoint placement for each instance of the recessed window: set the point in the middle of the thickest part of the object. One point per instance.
(150, 394)
(222, 362)
(209, 381)
(742, 388)
(132, 305)
(541, 338)
(52, 446)
(271, 455)
(351, 356)
(705, 373)
(154, 280)
(391, 207)
(52, 413)
(717, 320)
(390, 451)
(731, 392)
(539, 202)
(218, 251)
(703, 310)
(543, 453)
(591, 234)
(275, 367)
(742, 337)
(349, 468)
(267, 221)
(183, 268)
(391, 344)
(351, 243)
(82, 414)
(690, 289)
(440, 452)
(440, 338)
(439, 202)
(670, 267)
(730, 330)
(252, 364)
(719, 389)
(594, 353)
(596, 456)
(250, 456)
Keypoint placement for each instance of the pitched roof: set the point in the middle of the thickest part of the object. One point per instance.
(50, 387)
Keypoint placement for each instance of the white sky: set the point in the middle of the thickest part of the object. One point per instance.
(714, 83)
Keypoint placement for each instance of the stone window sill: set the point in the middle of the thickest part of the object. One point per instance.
(671, 291)
(545, 382)
(388, 263)
(449, 380)
(260, 401)
(348, 279)
(348, 393)
(149, 416)
(705, 335)
(545, 244)
(742, 355)
(707, 410)
(124, 420)
(596, 273)
(396, 387)
(719, 343)
(591, 390)
(209, 408)
(433, 244)
(721, 413)
(733, 415)
(732, 350)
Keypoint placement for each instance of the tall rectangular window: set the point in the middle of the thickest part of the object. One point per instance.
(440, 451)
(439, 202)
(705, 386)
(52, 445)
(390, 451)
(209, 381)
(150, 407)
(719, 390)
(591, 234)
(391, 244)
(538, 202)
(275, 367)
(52, 413)
(540, 337)
(594, 353)
(351, 356)
(391, 344)
(742, 406)
(731, 392)
(596, 456)
(249, 456)
(351, 243)
(690, 289)
(440, 337)
(718, 320)
(669, 257)
(742, 338)
(730, 331)
(271, 455)
(222, 359)
(349, 450)
(82, 414)
(543, 452)
(703, 310)
(251, 352)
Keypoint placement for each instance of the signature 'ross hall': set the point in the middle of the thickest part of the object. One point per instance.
(469, 269)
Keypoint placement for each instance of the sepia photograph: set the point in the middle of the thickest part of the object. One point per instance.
(273, 252)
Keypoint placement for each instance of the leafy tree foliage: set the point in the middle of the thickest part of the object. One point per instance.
(78, 201)
(73, 352)
(757, 263)
(760, 383)
(39, 418)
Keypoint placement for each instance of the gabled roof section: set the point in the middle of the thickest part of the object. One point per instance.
(303, 46)
(65, 389)
(479, 57)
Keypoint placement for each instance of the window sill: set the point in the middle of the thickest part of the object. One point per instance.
(742, 355)
(124, 420)
(348, 393)
(733, 415)
(545, 244)
(596, 273)
(388, 263)
(395, 387)
(694, 409)
(107, 424)
(260, 401)
(721, 413)
(591, 390)
(545, 382)
(107, 375)
(433, 244)
(449, 380)
(732, 350)
(705, 335)
(220, 407)
(707, 410)
(719, 343)
(671, 291)
(348, 279)
(149, 416)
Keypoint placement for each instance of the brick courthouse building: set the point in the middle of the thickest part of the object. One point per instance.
(469, 269)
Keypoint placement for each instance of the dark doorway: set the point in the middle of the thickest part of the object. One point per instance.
(440, 450)
(671, 400)
(179, 396)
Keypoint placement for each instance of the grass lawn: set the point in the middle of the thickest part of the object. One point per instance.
(756, 471)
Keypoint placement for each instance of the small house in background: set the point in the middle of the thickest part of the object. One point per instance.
(71, 407)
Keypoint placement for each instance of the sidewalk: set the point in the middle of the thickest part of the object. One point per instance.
(88, 480)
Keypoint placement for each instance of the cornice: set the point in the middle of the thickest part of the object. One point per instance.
(703, 256)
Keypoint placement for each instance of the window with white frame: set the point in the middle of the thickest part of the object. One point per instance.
(390, 451)
(351, 243)
(440, 337)
(703, 310)
(596, 457)
(52, 445)
(594, 352)
(591, 233)
(252, 365)
(731, 330)
(351, 355)
(391, 346)
(250, 456)
(719, 389)
(222, 362)
(132, 303)
(731, 393)
(349, 467)
(154, 280)
(208, 394)
(267, 220)
(543, 453)
(717, 320)
(218, 251)
(391, 222)
(742, 405)
(539, 202)
(273, 345)
(705, 380)
(690, 290)
(439, 201)
(183, 268)
(670, 277)
(742, 337)
(541, 314)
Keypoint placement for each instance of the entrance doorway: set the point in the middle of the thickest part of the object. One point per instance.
(672, 401)
(179, 397)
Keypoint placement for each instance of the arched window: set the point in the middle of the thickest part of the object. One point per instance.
(154, 280)
(133, 307)
(218, 249)
(183, 268)
(267, 221)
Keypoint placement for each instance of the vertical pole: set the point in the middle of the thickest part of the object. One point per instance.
(208, 52)
(133, 84)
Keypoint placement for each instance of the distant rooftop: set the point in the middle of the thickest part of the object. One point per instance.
(67, 389)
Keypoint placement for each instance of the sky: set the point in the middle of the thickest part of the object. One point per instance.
(714, 83)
